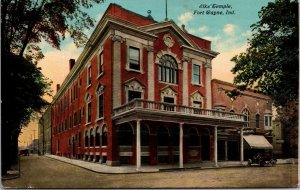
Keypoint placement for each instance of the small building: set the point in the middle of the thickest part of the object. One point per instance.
(257, 111)
(44, 132)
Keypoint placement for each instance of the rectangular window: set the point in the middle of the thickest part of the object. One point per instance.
(75, 118)
(134, 58)
(133, 95)
(100, 64)
(268, 120)
(169, 100)
(257, 120)
(197, 104)
(79, 139)
(89, 112)
(100, 106)
(196, 74)
(89, 76)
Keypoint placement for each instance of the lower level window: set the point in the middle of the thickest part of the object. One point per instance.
(169, 100)
(134, 95)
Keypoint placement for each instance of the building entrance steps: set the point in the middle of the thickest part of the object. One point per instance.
(102, 168)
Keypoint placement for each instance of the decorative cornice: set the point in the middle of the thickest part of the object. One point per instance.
(116, 38)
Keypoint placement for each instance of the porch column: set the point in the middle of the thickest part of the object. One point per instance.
(226, 150)
(181, 145)
(216, 146)
(138, 145)
(242, 145)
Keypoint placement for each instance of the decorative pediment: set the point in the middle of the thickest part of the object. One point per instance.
(197, 96)
(172, 28)
(134, 85)
(100, 89)
(168, 91)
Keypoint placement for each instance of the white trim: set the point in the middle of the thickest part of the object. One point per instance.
(135, 45)
(133, 85)
(200, 64)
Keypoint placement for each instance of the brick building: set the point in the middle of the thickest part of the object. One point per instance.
(256, 107)
(140, 93)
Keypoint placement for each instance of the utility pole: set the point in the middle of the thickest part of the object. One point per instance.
(34, 140)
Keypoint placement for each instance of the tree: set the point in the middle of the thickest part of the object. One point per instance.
(270, 64)
(24, 24)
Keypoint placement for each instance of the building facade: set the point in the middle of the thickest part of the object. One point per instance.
(140, 93)
(44, 132)
(256, 108)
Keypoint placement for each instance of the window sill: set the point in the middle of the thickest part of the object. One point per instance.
(133, 70)
(99, 119)
(174, 84)
(196, 84)
(99, 75)
(88, 123)
(89, 86)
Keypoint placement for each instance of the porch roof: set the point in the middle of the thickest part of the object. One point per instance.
(159, 111)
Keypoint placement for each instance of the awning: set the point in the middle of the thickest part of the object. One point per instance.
(258, 142)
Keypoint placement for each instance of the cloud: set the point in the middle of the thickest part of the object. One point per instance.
(229, 29)
(185, 18)
(55, 65)
(222, 64)
(203, 29)
(214, 39)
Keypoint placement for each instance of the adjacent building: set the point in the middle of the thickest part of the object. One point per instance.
(140, 93)
(257, 111)
(44, 132)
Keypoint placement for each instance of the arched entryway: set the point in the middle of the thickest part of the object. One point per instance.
(163, 143)
(145, 144)
(125, 143)
(205, 145)
(194, 144)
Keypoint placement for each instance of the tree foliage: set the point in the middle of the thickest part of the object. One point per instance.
(25, 23)
(270, 64)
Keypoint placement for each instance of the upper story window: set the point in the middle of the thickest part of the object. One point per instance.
(257, 118)
(168, 69)
(246, 116)
(196, 74)
(268, 120)
(89, 75)
(88, 108)
(100, 64)
(133, 90)
(100, 100)
(134, 58)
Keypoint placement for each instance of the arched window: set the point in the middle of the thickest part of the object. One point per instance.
(97, 137)
(194, 139)
(91, 138)
(257, 118)
(246, 116)
(168, 69)
(86, 139)
(100, 100)
(104, 135)
(88, 100)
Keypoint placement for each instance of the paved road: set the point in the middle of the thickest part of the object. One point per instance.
(43, 172)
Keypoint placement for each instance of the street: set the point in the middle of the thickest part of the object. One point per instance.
(43, 172)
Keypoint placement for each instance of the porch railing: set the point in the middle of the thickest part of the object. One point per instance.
(179, 109)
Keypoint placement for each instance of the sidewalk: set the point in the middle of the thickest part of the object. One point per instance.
(13, 173)
(102, 168)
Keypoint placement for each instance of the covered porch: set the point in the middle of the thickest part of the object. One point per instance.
(153, 133)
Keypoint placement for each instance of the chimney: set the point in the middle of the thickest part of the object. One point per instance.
(71, 63)
(57, 87)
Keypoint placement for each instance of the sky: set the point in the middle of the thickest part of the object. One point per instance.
(227, 32)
